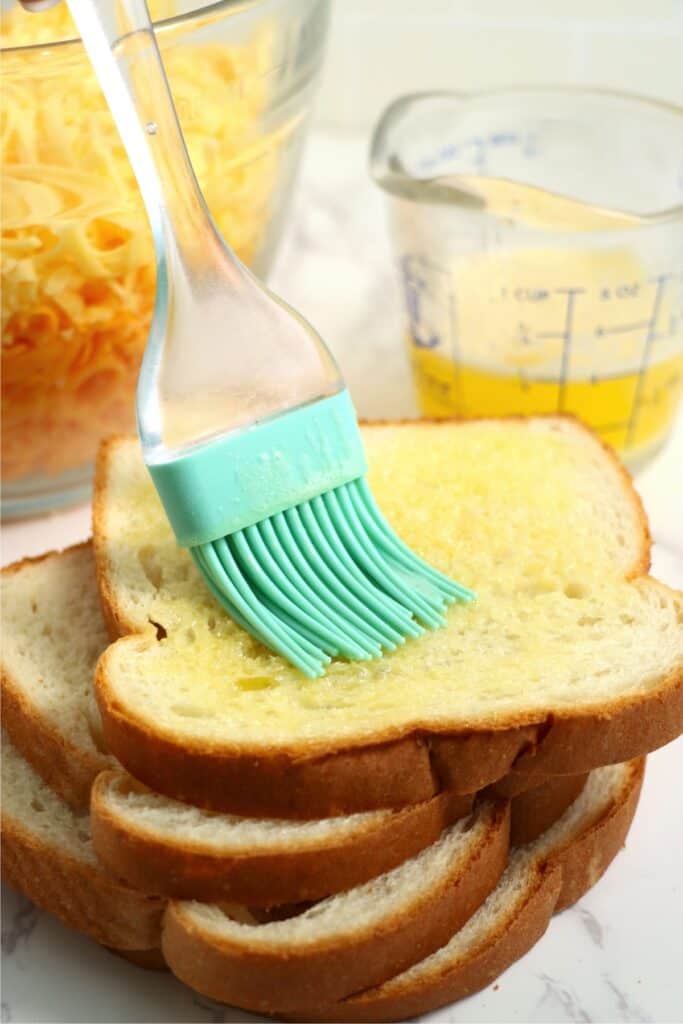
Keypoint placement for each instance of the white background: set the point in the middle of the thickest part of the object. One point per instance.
(381, 48)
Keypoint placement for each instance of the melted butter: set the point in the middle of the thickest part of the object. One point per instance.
(249, 684)
(583, 332)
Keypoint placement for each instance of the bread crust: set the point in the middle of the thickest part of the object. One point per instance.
(395, 768)
(76, 892)
(536, 809)
(514, 937)
(195, 870)
(584, 858)
(404, 770)
(265, 879)
(257, 978)
(560, 878)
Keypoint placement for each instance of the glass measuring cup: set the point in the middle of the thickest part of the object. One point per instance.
(540, 243)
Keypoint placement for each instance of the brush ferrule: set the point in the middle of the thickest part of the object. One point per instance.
(251, 474)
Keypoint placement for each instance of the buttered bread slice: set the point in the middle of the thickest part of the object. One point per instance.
(53, 636)
(571, 657)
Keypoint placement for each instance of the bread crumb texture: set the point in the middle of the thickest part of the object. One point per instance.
(34, 810)
(53, 634)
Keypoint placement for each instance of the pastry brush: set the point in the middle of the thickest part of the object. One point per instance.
(246, 426)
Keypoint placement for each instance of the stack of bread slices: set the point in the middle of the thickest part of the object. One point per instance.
(378, 842)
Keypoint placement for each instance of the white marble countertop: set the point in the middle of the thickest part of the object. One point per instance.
(618, 955)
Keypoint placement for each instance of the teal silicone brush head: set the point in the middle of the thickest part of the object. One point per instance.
(327, 579)
(246, 427)
(314, 579)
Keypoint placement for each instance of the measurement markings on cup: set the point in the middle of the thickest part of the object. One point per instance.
(566, 336)
(650, 339)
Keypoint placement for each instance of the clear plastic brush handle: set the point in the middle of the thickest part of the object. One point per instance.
(223, 352)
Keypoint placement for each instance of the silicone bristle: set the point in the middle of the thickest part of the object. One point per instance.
(396, 549)
(329, 586)
(328, 578)
(231, 590)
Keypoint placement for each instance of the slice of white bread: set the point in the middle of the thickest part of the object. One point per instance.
(161, 845)
(47, 853)
(331, 949)
(571, 657)
(48, 856)
(346, 942)
(543, 877)
(53, 636)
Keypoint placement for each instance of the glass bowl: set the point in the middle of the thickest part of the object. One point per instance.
(77, 261)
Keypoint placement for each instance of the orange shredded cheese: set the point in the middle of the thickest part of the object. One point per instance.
(77, 262)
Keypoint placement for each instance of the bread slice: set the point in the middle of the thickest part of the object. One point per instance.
(152, 842)
(161, 845)
(341, 944)
(53, 633)
(542, 878)
(348, 941)
(200, 945)
(47, 853)
(571, 657)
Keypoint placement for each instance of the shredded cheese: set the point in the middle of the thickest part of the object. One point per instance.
(77, 262)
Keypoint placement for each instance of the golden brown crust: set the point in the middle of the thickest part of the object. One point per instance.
(636, 727)
(272, 980)
(296, 875)
(535, 810)
(559, 879)
(584, 858)
(514, 936)
(22, 563)
(77, 893)
(194, 871)
(389, 775)
(402, 767)
(512, 785)
(400, 771)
